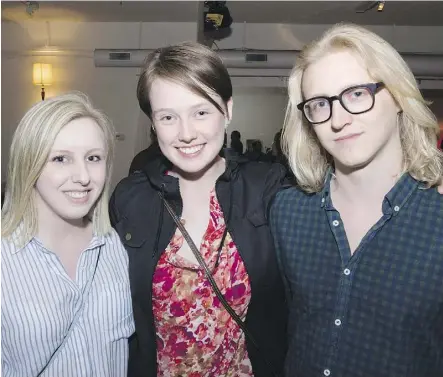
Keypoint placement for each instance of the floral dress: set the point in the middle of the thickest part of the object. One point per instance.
(196, 337)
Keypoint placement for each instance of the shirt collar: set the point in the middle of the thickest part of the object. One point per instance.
(395, 199)
(324, 193)
(96, 241)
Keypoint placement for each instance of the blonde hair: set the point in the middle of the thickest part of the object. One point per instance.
(30, 149)
(417, 124)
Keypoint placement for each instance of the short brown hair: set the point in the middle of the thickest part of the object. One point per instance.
(190, 64)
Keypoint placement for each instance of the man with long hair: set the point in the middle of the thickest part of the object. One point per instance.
(359, 241)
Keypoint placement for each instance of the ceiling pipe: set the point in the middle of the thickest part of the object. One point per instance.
(424, 65)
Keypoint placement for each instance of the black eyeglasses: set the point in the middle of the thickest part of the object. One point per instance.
(355, 100)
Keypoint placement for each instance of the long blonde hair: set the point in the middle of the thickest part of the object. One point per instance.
(31, 145)
(418, 126)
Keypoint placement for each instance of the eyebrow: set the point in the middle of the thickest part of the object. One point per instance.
(65, 151)
(342, 88)
(196, 106)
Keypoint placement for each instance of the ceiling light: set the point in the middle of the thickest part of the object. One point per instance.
(31, 7)
(381, 6)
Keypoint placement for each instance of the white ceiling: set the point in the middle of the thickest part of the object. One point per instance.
(412, 13)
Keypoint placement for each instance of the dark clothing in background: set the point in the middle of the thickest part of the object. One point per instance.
(237, 146)
(258, 156)
(377, 313)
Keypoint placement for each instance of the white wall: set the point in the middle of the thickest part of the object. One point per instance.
(258, 112)
(111, 89)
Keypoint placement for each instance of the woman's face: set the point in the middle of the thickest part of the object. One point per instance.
(74, 176)
(190, 129)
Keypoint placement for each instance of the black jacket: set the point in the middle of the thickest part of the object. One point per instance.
(245, 192)
(142, 158)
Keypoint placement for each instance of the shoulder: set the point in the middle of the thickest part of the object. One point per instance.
(294, 195)
(113, 239)
(430, 203)
(132, 182)
(8, 247)
(129, 188)
(264, 179)
(292, 201)
(114, 245)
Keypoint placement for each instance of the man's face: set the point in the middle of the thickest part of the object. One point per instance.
(353, 141)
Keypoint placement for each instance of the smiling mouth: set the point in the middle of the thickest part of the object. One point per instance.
(77, 194)
(191, 150)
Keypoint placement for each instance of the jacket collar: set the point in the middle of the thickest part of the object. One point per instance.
(157, 168)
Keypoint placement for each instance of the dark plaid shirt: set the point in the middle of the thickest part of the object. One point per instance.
(378, 313)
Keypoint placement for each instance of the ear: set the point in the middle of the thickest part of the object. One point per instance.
(229, 105)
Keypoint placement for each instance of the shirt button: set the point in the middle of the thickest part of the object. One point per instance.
(337, 322)
(346, 271)
(327, 372)
(335, 223)
(128, 236)
(396, 208)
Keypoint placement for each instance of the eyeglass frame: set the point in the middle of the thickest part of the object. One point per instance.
(373, 88)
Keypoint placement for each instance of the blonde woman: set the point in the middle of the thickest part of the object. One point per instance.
(360, 243)
(66, 307)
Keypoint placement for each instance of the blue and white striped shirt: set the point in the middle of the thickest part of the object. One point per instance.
(41, 306)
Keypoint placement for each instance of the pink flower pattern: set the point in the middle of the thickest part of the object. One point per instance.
(196, 337)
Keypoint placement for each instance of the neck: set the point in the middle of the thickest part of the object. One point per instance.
(367, 185)
(54, 231)
(204, 178)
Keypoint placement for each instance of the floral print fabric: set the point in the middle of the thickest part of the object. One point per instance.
(196, 337)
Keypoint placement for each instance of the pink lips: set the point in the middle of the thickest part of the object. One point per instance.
(347, 137)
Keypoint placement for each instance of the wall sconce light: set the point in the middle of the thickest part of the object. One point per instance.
(42, 76)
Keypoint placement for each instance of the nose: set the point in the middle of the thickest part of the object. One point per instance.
(188, 131)
(80, 173)
(340, 116)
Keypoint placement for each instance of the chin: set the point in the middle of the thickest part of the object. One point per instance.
(350, 164)
(192, 168)
(74, 214)
(193, 165)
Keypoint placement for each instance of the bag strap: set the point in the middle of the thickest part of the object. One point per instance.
(211, 280)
